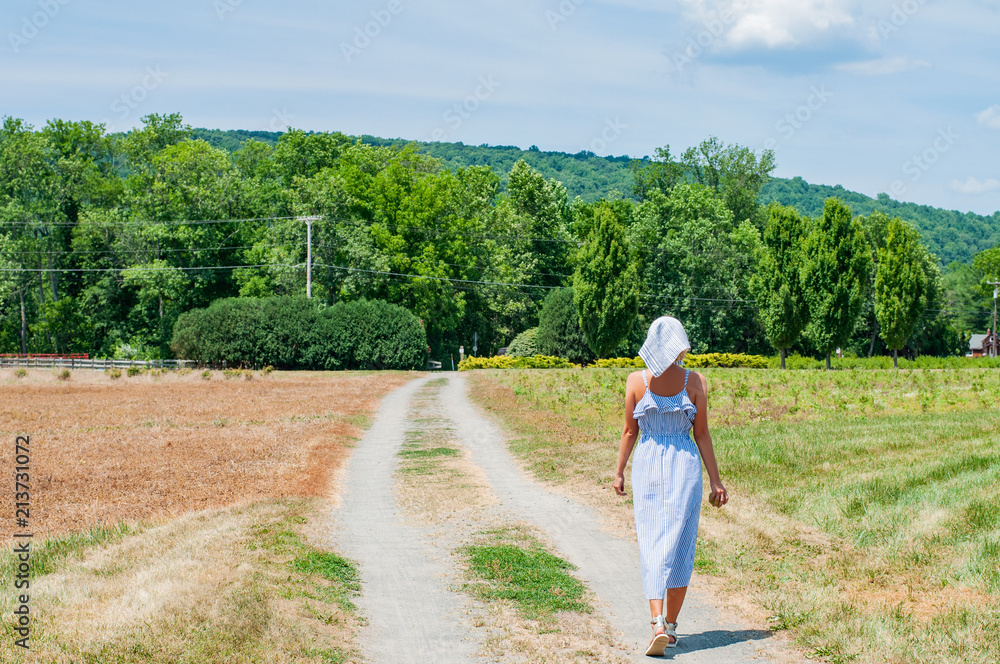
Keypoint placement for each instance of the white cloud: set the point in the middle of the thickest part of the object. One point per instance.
(882, 66)
(990, 117)
(773, 24)
(975, 186)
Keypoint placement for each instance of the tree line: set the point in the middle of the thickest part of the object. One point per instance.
(955, 237)
(106, 240)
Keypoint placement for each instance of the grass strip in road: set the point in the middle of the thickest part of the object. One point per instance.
(510, 564)
(435, 477)
(866, 525)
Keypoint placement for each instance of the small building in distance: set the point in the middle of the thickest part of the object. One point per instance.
(984, 345)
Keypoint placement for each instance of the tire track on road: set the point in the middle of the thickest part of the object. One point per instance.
(412, 616)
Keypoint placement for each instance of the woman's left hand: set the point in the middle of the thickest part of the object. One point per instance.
(719, 495)
(620, 484)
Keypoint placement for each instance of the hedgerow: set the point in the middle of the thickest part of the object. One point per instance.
(296, 333)
(507, 362)
(620, 363)
(710, 360)
(725, 360)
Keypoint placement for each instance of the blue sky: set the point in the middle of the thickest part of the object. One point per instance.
(897, 96)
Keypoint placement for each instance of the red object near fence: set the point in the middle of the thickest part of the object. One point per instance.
(47, 356)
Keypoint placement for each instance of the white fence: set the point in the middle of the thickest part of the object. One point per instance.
(75, 363)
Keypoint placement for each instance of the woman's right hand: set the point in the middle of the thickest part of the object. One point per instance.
(719, 495)
(620, 484)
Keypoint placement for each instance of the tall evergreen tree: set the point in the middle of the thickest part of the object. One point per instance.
(900, 286)
(835, 276)
(777, 285)
(606, 286)
(559, 331)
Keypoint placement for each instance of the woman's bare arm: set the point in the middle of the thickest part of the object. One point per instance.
(629, 434)
(703, 439)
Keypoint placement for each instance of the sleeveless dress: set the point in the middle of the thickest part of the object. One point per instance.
(666, 490)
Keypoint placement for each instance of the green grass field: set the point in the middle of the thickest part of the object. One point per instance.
(864, 515)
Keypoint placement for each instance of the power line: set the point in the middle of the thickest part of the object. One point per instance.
(141, 251)
(428, 277)
(470, 267)
(146, 269)
(122, 224)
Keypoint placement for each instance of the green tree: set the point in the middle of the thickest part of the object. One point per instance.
(559, 331)
(736, 173)
(606, 286)
(542, 203)
(302, 154)
(900, 286)
(696, 266)
(835, 275)
(989, 263)
(777, 284)
(963, 297)
(661, 173)
(159, 285)
(158, 132)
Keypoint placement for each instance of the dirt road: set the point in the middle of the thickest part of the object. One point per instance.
(411, 601)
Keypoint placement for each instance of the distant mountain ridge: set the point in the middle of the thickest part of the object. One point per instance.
(951, 235)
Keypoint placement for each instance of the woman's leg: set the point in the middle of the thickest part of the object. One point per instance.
(655, 608)
(675, 600)
(655, 611)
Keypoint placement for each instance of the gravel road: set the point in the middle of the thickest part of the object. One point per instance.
(413, 613)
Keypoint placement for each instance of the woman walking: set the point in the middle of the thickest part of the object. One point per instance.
(666, 471)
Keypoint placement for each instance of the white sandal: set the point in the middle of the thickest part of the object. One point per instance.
(661, 642)
(671, 632)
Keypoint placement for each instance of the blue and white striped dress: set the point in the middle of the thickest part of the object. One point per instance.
(666, 488)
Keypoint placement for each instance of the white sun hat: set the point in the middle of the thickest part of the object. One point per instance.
(665, 341)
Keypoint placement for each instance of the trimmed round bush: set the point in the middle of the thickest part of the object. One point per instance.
(369, 334)
(524, 344)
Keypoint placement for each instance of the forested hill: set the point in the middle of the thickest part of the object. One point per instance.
(951, 235)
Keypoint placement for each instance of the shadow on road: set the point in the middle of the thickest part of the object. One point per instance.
(715, 639)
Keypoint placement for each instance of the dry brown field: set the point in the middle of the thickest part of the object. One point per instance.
(145, 448)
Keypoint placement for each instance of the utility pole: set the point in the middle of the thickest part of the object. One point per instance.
(993, 346)
(309, 252)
